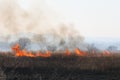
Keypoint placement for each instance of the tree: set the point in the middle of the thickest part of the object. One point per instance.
(112, 48)
(92, 49)
(24, 42)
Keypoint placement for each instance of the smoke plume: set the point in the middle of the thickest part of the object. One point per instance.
(37, 23)
(15, 18)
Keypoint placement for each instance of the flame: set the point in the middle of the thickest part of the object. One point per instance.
(24, 52)
(68, 53)
(47, 54)
(106, 53)
(79, 53)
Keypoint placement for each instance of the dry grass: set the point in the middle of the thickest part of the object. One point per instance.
(88, 62)
(56, 67)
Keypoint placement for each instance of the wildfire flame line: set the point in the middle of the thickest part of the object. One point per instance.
(24, 52)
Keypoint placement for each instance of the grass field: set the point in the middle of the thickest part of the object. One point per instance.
(60, 67)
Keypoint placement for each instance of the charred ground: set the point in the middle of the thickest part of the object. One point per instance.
(60, 67)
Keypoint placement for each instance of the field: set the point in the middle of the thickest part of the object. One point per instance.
(60, 67)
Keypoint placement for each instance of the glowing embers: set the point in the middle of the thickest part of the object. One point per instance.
(24, 52)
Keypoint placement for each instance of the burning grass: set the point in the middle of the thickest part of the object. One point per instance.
(77, 59)
(88, 62)
(77, 52)
(64, 65)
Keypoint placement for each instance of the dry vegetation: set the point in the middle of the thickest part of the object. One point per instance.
(60, 67)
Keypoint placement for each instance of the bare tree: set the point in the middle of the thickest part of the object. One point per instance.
(24, 42)
(92, 49)
(112, 48)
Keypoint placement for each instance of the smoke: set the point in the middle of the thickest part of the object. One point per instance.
(52, 40)
(16, 17)
(34, 20)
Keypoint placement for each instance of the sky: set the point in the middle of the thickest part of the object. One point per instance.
(93, 18)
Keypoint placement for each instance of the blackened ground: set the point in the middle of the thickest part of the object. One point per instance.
(60, 67)
(47, 73)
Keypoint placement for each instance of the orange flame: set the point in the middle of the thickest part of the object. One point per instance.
(106, 53)
(39, 54)
(79, 53)
(68, 53)
(24, 52)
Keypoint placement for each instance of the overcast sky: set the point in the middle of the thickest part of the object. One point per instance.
(93, 18)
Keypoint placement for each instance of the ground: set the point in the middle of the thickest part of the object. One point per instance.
(59, 67)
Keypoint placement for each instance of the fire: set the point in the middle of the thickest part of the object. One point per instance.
(79, 53)
(24, 52)
(47, 54)
(68, 53)
(106, 53)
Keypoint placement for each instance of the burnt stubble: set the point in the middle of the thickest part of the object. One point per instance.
(60, 67)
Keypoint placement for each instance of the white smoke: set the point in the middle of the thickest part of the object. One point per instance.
(34, 16)
(34, 20)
